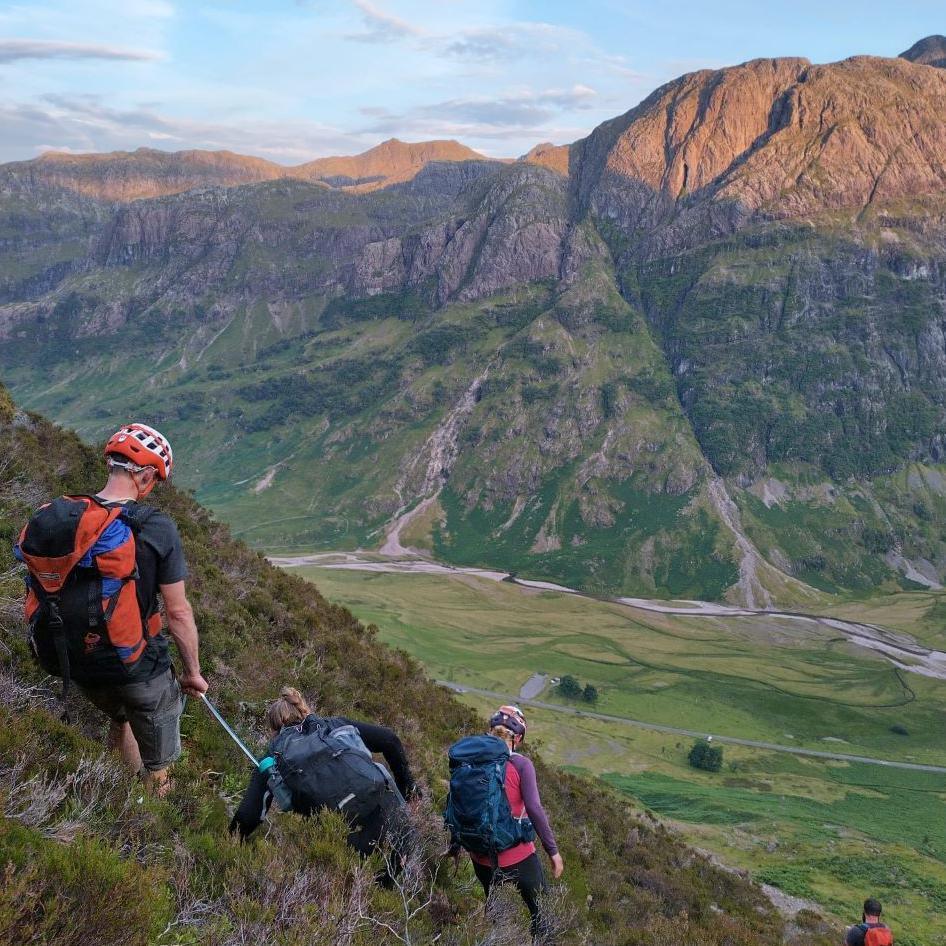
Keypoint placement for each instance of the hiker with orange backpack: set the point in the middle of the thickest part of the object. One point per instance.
(870, 931)
(96, 565)
(494, 812)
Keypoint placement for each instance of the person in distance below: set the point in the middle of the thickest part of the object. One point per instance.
(870, 931)
(519, 864)
(96, 567)
(325, 762)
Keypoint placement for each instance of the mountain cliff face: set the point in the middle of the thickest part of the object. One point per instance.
(699, 352)
(712, 153)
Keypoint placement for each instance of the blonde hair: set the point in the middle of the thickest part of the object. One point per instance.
(501, 732)
(289, 709)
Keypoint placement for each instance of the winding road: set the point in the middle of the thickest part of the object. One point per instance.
(673, 730)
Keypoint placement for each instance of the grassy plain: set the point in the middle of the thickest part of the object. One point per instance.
(823, 830)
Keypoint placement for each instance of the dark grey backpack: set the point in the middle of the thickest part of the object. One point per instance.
(326, 766)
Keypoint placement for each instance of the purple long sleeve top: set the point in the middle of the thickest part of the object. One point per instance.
(523, 794)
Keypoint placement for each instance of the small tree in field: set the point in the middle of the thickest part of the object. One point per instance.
(706, 756)
(589, 694)
(570, 687)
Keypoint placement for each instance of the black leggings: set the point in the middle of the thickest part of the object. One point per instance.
(387, 824)
(529, 879)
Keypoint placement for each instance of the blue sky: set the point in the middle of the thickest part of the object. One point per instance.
(291, 80)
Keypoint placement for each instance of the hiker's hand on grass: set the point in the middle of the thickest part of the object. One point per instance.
(193, 684)
(558, 866)
(453, 852)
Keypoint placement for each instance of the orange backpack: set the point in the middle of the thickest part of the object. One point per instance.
(878, 936)
(82, 600)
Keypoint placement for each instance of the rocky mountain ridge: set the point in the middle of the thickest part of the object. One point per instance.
(714, 152)
(707, 360)
(123, 176)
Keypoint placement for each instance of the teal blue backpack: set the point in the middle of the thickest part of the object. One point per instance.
(478, 815)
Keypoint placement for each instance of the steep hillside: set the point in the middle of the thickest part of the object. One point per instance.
(790, 256)
(90, 860)
(707, 362)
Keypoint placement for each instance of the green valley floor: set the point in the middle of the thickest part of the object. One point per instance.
(824, 830)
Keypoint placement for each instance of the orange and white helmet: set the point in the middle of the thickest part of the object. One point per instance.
(143, 446)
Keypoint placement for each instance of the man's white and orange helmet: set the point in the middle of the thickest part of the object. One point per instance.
(142, 446)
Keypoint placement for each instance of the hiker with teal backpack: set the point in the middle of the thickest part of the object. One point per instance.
(494, 812)
(317, 763)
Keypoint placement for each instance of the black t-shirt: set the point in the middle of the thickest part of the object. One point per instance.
(159, 556)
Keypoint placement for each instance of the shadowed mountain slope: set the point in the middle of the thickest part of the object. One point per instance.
(930, 51)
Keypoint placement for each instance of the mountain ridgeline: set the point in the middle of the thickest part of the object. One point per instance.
(698, 353)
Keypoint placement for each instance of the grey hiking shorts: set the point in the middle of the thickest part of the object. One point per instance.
(153, 708)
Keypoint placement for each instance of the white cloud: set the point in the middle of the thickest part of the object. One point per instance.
(382, 27)
(84, 124)
(510, 41)
(516, 116)
(15, 49)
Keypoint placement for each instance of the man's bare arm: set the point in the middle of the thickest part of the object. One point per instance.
(183, 629)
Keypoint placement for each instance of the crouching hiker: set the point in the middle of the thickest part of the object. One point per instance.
(319, 763)
(96, 565)
(494, 812)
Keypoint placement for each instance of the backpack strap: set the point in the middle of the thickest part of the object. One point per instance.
(136, 516)
(58, 631)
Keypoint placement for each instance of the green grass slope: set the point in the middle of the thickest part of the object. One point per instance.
(307, 424)
(807, 358)
(87, 859)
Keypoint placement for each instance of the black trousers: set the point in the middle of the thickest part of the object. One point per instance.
(529, 879)
(388, 824)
